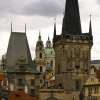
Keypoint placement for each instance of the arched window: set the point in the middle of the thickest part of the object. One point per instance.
(40, 55)
(58, 68)
(32, 82)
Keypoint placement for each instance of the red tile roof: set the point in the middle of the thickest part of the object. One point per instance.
(20, 95)
(98, 74)
(2, 77)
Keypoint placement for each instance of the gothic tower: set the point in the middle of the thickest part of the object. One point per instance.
(72, 50)
(21, 72)
(40, 56)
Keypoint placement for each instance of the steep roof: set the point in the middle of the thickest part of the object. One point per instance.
(20, 95)
(18, 47)
(71, 21)
(95, 62)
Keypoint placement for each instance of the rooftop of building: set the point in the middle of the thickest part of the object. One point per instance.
(20, 95)
(95, 62)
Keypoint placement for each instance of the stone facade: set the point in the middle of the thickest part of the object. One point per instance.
(72, 60)
(58, 94)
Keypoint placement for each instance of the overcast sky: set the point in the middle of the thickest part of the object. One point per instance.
(39, 15)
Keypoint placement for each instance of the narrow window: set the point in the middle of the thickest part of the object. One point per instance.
(77, 84)
(40, 55)
(32, 82)
(41, 69)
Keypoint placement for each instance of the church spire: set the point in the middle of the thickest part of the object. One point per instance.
(48, 38)
(54, 29)
(39, 35)
(11, 27)
(48, 43)
(90, 27)
(71, 21)
(25, 29)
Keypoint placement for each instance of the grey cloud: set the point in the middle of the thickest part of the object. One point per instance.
(31, 7)
(8, 7)
(98, 1)
(45, 8)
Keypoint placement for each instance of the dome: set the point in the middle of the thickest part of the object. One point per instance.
(49, 52)
(48, 43)
(39, 43)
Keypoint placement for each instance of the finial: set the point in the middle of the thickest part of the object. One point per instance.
(90, 27)
(55, 20)
(48, 37)
(54, 30)
(90, 16)
(39, 35)
(11, 27)
(55, 26)
(25, 29)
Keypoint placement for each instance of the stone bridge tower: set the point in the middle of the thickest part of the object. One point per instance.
(72, 50)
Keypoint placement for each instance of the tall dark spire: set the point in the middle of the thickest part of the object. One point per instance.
(71, 21)
(48, 38)
(54, 29)
(39, 38)
(25, 28)
(90, 27)
(11, 27)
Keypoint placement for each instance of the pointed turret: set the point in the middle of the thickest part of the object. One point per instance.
(48, 43)
(48, 38)
(11, 27)
(18, 47)
(39, 38)
(54, 31)
(90, 27)
(55, 28)
(25, 29)
(71, 21)
(39, 44)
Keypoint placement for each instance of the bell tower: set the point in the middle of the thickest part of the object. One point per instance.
(40, 56)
